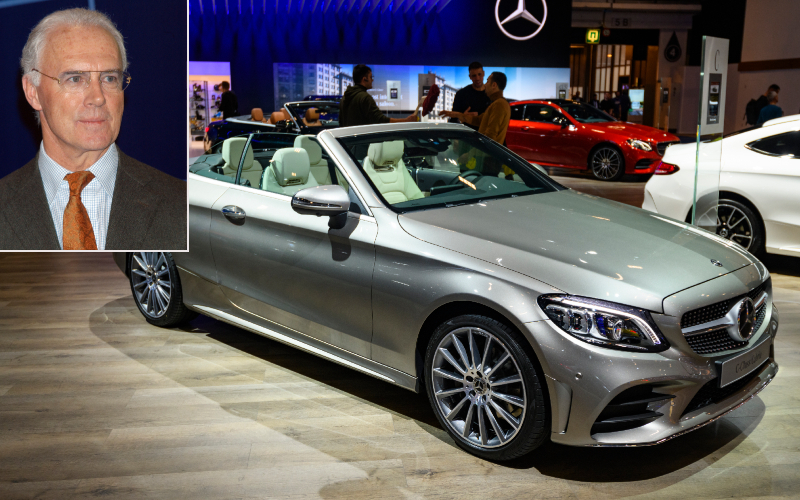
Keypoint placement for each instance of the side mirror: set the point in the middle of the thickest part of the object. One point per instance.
(331, 200)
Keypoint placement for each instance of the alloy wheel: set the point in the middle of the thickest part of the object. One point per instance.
(606, 163)
(733, 224)
(478, 387)
(151, 282)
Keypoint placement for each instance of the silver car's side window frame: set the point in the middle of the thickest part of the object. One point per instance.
(337, 153)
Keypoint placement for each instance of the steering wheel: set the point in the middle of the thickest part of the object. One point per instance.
(467, 175)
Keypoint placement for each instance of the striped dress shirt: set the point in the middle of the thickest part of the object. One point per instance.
(96, 196)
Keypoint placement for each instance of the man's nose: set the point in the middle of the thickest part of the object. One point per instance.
(94, 95)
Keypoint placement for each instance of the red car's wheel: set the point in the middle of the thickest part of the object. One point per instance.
(607, 163)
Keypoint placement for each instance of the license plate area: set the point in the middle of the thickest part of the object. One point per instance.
(740, 365)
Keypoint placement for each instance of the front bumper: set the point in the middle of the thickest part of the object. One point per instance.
(583, 380)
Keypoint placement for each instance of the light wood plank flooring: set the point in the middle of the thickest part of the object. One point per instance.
(95, 402)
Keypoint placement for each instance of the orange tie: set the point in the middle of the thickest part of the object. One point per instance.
(78, 232)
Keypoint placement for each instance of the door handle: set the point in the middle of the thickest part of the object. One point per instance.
(526, 128)
(234, 213)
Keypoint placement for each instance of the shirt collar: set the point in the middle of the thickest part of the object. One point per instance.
(104, 170)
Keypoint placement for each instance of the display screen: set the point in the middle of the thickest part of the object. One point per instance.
(636, 95)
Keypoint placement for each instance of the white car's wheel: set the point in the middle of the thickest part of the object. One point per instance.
(156, 289)
(740, 224)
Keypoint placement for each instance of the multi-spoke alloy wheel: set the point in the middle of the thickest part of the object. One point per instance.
(733, 224)
(156, 288)
(607, 164)
(484, 388)
(151, 282)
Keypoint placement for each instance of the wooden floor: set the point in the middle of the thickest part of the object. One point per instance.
(94, 402)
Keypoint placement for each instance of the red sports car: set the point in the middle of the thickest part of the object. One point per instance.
(563, 133)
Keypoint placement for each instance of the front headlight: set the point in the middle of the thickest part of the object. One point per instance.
(604, 323)
(636, 143)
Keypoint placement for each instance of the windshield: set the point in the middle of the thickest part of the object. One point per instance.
(423, 169)
(315, 114)
(584, 113)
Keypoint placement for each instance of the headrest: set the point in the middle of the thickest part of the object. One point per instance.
(311, 147)
(385, 154)
(232, 153)
(291, 166)
(312, 114)
(257, 115)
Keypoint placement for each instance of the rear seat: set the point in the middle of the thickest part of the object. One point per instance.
(289, 171)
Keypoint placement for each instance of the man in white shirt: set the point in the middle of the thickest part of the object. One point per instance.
(81, 192)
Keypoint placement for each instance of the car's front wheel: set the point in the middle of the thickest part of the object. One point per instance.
(485, 389)
(607, 163)
(156, 288)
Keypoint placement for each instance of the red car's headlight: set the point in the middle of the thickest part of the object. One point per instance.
(666, 168)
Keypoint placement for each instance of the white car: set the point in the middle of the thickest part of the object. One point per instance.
(759, 186)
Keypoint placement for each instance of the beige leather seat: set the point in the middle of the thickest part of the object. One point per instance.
(232, 152)
(288, 172)
(385, 168)
(257, 115)
(319, 167)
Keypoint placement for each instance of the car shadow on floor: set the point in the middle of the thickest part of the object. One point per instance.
(694, 451)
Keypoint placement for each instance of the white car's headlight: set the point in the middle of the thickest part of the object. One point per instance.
(604, 323)
(636, 143)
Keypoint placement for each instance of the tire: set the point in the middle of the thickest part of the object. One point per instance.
(607, 163)
(156, 289)
(460, 388)
(747, 229)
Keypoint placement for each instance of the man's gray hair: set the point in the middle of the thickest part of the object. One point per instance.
(32, 52)
(772, 96)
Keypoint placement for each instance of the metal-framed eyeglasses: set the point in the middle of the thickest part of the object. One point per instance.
(78, 81)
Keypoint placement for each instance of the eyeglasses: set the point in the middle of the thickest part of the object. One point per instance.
(78, 81)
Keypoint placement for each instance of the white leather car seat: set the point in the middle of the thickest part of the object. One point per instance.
(288, 172)
(319, 167)
(232, 152)
(385, 168)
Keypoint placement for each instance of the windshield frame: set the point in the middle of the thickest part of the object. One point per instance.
(545, 179)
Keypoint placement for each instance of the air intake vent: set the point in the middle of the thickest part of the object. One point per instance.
(710, 393)
(630, 409)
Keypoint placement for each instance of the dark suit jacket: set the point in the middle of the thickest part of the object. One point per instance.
(148, 210)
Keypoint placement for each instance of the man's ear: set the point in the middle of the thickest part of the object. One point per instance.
(31, 93)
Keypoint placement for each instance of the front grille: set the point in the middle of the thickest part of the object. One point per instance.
(710, 393)
(718, 310)
(714, 341)
(661, 147)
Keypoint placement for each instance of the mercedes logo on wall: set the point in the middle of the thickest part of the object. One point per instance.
(521, 23)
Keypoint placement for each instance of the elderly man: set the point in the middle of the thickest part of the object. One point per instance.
(81, 192)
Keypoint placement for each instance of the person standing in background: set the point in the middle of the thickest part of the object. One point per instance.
(624, 105)
(472, 97)
(771, 110)
(229, 103)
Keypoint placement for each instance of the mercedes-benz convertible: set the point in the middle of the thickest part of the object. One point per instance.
(433, 258)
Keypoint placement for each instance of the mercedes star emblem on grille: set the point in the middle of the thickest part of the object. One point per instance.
(746, 319)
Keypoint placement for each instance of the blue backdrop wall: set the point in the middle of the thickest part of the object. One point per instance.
(252, 35)
(154, 124)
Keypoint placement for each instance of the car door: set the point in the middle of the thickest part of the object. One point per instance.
(515, 136)
(770, 176)
(538, 132)
(279, 267)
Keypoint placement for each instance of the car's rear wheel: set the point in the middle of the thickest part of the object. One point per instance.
(156, 289)
(740, 224)
(485, 389)
(607, 163)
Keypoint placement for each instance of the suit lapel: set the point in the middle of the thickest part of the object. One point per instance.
(27, 211)
(132, 206)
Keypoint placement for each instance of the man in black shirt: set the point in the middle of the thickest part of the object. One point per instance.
(472, 97)
(229, 104)
(358, 107)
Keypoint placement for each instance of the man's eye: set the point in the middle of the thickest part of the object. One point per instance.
(110, 78)
(74, 79)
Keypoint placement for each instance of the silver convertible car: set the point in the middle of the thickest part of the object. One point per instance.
(431, 257)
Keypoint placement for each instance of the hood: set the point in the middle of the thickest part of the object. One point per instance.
(582, 245)
(634, 131)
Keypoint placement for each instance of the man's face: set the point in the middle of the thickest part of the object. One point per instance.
(85, 121)
(491, 87)
(476, 75)
(367, 80)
